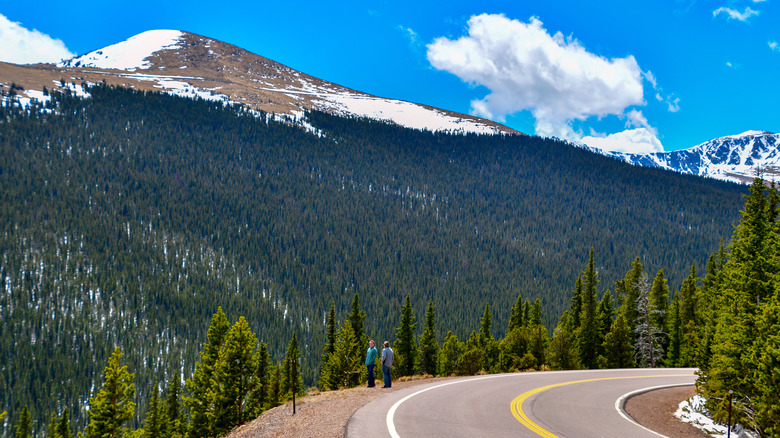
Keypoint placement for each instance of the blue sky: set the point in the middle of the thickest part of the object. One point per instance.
(623, 75)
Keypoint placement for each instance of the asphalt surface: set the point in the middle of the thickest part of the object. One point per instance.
(550, 404)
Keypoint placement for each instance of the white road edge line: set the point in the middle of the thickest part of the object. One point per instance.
(391, 412)
(620, 403)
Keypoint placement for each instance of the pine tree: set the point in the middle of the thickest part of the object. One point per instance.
(630, 297)
(576, 302)
(673, 356)
(176, 428)
(53, 431)
(588, 337)
(539, 339)
(527, 313)
(292, 381)
(63, 425)
(330, 345)
(486, 325)
(235, 377)
(152, 425)
(357, 318)
(473, 358)
(202, 386)
(562, 351)
(406, 346)
(24, 426)
(275, 388)
(605, 316)
(659, 295)
(451, 350)
(113, 405)
(705, 336)
(487, 342)
(618, 349)
(516, 314)
(689, 296)
(536, 314)
(258, 397)
(767, 373)
(751, 252)
(648, 340)
(690, 321)
(343, 364)
(429, 348)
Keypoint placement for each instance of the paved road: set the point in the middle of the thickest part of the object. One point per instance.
(549, 404)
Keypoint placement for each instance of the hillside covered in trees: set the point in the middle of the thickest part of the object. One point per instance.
(128, 218)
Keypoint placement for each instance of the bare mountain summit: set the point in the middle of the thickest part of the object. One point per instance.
(190, 65)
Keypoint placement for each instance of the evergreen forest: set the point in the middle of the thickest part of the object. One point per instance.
(132, 220)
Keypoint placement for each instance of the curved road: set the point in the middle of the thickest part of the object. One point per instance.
(549, 404)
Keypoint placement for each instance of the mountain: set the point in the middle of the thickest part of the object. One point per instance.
(736, 158)
(190, 65)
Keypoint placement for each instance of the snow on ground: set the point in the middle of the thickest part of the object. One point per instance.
(183, 89)
(694, 412)
(38, 95)
(130, 54)
(26, 97)
(76, 89)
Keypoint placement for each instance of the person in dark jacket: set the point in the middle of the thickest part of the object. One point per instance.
(370, 363)
(387, 364)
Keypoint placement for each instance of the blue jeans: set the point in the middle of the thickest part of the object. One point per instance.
(386, 374)
(371, 375)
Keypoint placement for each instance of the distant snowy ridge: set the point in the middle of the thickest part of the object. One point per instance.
(736, 158)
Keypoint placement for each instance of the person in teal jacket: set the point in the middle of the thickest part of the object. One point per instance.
(370, 363)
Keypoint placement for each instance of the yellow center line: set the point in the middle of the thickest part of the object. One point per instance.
(517, 404)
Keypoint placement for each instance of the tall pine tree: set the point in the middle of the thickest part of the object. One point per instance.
(588, 336)
(429, 348)
(113, 406)
(202, 386)
(406, 346)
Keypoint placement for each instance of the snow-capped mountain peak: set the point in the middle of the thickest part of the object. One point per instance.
(130, 55)
(752, 133)
(738, 158)
(190, 65)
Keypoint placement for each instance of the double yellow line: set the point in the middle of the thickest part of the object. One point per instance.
(517, 403)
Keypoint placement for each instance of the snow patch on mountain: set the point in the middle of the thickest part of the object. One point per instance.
(340, 100)
(130, 54)
(405, 114)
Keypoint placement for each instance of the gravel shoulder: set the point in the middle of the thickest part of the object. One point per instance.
(325, 414)
(655, 410)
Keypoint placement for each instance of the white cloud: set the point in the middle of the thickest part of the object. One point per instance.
(773, 45)
(552, 76)
(22, 46)
(672, 103)
(636, 118)
(411, 34)
(734, 14)
(635, 141)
